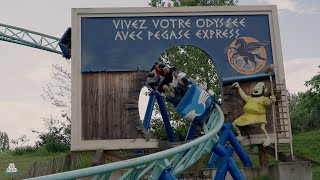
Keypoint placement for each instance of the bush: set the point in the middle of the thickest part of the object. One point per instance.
(19, 151)
(58, 137)
(54, 142)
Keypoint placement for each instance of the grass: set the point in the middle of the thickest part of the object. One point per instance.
(23, 162)
(308, 145)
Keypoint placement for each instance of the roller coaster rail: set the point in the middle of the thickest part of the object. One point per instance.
(184, 156)
(29, 38)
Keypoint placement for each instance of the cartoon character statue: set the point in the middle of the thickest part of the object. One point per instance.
(254, 109)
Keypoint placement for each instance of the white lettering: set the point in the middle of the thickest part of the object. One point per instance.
(237, 33)
(132, 34)
(164, 24)
(228, 23)
(173, 34)
(216, 21)
(155, 23)
(173, 21)
(181, 23)
(127, 23)
(198, 34)
(231, 33)
(138, 35)
(157, 34)
(116, 24)
(142, 24)
(200, 21)
(118, 35)
(209, 22)
(225, 33)
(135, 24)
(242, 22)
(235, 22)
(205, 34)
(186, 34)
(218, 34)
(125, 35)
(165, 34)
(168, 35)
(211, 33)
(187, 23)
(221, 22)
(149, 35)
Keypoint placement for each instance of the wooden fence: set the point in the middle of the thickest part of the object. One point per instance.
(69, 162)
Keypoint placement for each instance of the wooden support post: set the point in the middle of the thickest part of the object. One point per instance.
(263, 158)
(113, 157)
(102, 155)
(98, 158)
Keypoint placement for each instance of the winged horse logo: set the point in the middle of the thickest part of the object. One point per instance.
(199, 107)
(247, 55)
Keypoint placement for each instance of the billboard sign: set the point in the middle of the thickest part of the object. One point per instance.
(242, 41)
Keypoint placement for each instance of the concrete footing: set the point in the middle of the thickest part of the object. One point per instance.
(279, 171)
(291, 171)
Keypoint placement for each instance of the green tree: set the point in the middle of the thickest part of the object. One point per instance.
(170, 3)
(191, 60)
(305, 107)
(314, 84)
(4, 141)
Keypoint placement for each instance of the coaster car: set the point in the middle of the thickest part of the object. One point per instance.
(195, 104)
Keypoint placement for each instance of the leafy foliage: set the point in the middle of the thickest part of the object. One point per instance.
(57, 139)
(195, 63)
(175, 3)
(4, 141)
(314, 84)
(305, 107)
(19, 151)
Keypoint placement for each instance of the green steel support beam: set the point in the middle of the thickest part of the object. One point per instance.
(29, 38)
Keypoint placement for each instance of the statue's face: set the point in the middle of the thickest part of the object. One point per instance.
(259, 89)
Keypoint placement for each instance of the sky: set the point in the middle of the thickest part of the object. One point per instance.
(25, 71)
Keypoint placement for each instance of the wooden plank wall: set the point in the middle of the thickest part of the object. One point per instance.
(104, 95)
(233, 106)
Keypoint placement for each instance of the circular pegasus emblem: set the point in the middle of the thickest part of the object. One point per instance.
(247, 55)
